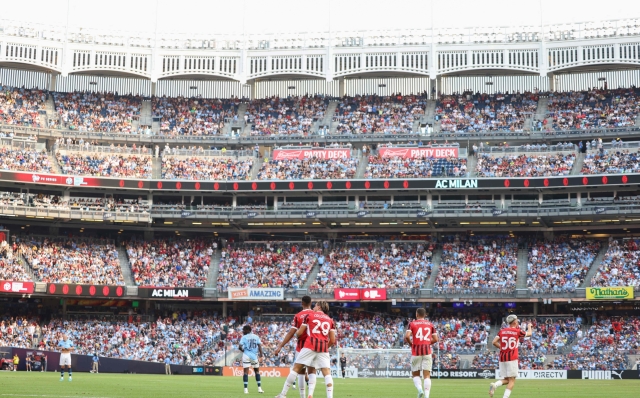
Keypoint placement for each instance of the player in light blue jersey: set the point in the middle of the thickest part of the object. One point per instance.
(251, 348)
(66, 345)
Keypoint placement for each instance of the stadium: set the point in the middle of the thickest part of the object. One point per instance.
(161, 190)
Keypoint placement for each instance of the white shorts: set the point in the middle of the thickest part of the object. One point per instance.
(318, 360)
(509, 369)
(65, 359)
(249, 363)
(421, 362)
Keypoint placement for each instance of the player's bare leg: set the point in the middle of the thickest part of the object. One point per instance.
(427, 383)
(311, 375)
(417, 382)
(303, 379)
(297, 369)
(328, 381)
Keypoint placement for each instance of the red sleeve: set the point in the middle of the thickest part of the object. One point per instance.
(411, 328)
(294, 323)
(522, 333)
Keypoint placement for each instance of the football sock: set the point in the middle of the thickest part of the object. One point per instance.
(287, 384)
(258, 379)
(62, 373)
(507, 392)
(328, 381)
(69, 372)
(427, 387)
(417, 382)
(498, 383)
(301, 385)
(312, 383)
(245, 380)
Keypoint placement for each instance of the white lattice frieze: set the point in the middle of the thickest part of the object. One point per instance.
(344, 64)
(51, 56)
(629, 52)
(560, 58)
(598, 54)
(523, 59)
(452, 61)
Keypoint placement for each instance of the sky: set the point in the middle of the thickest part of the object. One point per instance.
(298, 16)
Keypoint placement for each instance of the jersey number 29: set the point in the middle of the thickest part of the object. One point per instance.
(321, 327)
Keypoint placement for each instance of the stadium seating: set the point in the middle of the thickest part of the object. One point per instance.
(619, 267)
(373, 114)
(402, 266)
(560, 265)
(174, 263)
(477, 265)
(21, 107)
(19, 332)
(611, 161)
(59, 260)
(305, 169)
(11, 268)
(102, 112)
(24, 160)
(285, 116)
(104, 164)
(396, 167)
(533, 165)
(470, 113)
(268, 265)
(205, 168)
(194, 116)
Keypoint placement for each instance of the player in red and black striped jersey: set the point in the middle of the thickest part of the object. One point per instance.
(421, 334)
(508, 340)
(297, 322)
(321, 335)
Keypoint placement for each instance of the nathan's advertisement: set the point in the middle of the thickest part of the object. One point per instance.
(610, 293)
(237, 371)
(283, 154)
(413, 153)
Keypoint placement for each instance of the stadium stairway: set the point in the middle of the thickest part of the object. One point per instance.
(362, 167)
(245, 127)
(145, 114)
(55, 166)
(25, 265)
(577, 165)
(523, 265)
(156, 167)
(437, 258)
(256, 168)
(214, 268)
(125, 266)
(543, 108)
(472, 161)
(50, 108)
(595, 265)
(312, 275)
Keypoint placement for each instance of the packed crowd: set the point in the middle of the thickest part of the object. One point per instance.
(620, 265)
(184, 338)
(105, 164)
(291, 115)
(109, 203)
(469, 113)
(58, 260)
(24, 160)
(462, 335)
(525, 165)
(373, 114)
(611, 161)
(397, 167)
(595, 108)
(21, 107)
(19, 332)
(477, 264)
(402, 266)
(194, 116)
(308, 169)
(205, 168)
(11, 268)
(368, 330)
(102, 112)
(266, 265)
(551, 335)
(174, 263)
(560, 265)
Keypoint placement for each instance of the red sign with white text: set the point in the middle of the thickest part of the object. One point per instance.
(74, 181)
(412, 153)
(283, 154)
(17, 287)
(346, 294)
(373, 294)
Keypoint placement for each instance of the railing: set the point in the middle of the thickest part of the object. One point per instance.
(24, 211)
(528, 148)
(541, 135)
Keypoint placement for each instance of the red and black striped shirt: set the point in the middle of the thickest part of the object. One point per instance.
(319, 326)
(298, 320)
(509, 342)
(421, 332)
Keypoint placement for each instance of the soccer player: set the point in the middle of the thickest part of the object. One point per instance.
(507, 341)
(343, 364)
(295, 325)
(250, 345)
(66, 345)
(420, 335)
(321, 335)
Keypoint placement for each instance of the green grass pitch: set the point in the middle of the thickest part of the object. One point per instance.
(47, 385)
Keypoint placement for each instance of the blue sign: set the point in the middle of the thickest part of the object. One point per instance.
(363, 213)
(185, 214)
(310, 214)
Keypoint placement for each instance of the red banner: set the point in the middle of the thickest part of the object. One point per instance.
(322, 153)
(346, 294)
(17, 287)
(39, 178)
(412, 153)
(373, 294)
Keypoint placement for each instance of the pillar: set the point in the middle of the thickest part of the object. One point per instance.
(150, 199)
(357, 201)
(275, 203)
(430, 201)
(252, 90)
(342, 87)
(535, 309)
(235, 202)
(64, 308)
(225, 308)
(579, 198)
(552, 82)
(153, 88)
(53, 82)
(540, 198)
(319, 200)
(502, 201)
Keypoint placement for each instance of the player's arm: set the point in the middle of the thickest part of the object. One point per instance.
(496, 342)
(302, 330)
(332, 337)
(407, 336)
(241, 345)
(434, 337)
(285, 341)
(261, 353)
(529, 331)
